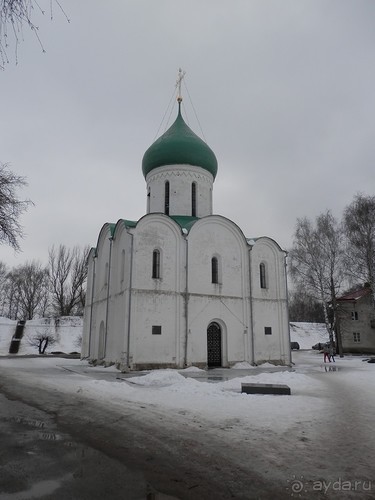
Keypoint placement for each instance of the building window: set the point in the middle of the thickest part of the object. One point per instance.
(214, 270)
(355, 315)
(166, 198)
(194, 199)
(122, 266)
(262, 271)
(106, 271)
(357, 337)
(267, 330)
(156, 264)
(156, 330)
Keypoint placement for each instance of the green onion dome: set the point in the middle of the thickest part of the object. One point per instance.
(179, 145)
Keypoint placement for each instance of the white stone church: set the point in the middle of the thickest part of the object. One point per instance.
(182, 286)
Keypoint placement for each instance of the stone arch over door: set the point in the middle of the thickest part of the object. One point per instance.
(214, 345)
(101, 347)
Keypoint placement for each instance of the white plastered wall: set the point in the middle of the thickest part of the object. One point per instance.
(270, 305)
(157, 302)
(226, 303)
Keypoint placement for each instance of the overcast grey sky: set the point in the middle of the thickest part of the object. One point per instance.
(284, 92)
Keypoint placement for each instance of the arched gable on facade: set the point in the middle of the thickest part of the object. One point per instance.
(121, 255)
(158, 232)
(268, 254)
(216, 237)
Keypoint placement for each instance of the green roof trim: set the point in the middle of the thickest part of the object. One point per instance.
(112, 227)
(129, 223)
(179, 145)
(184, 221)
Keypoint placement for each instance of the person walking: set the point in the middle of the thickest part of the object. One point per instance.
(332, 353)
(326, 353)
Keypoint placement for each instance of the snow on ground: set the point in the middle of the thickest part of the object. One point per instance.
(292, 430)
(66, 331)
(7, 329)
(308, 334)
(216, 402)
(220, 402)
(185, 389)
(192, 389)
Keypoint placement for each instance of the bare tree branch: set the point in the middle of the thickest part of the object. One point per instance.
(359, 227)
(11, 207)
(29, 284)
(68, 273)
(316, 262)
(14, 15)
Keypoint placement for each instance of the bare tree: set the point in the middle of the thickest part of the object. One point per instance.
(14, 15)
(304, 307)
(11, 207)
(359, 227)
(68, 273)
(30, 289)
(41, 340)
(3, 295)
(316, 263)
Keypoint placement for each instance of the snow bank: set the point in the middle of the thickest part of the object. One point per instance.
(243, 365)
(158, 378)
(7, 329)
(67, 332)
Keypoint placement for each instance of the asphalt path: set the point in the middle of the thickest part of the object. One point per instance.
(54, 447)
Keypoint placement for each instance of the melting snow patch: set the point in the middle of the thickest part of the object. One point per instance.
(243, 365)
(158, 378)
(191, 369)
(267, 365)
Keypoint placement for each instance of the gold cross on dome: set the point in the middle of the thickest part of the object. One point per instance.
(180, 77)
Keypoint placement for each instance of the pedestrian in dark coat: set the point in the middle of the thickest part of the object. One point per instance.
(332, 353)
(326, 353)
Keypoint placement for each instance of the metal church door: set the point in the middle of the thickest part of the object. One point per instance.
(213, 345)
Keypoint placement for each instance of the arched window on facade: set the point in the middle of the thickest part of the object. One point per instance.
(263, 278)
(214, 270)
(122, 266)
(166, 198)
(194, 199)
(106, 270)
(156, 264)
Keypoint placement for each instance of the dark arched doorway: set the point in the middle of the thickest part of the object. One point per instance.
(214, 345)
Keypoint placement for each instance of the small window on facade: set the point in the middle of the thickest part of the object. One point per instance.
(357, 337)
(156, 330)
(122, 265)
(355, 315)
(106, 270)
(214, 270)
(267, 330)
(194, 199)
(262, 270)
(166, 198)
(156, 264)
(148, 200)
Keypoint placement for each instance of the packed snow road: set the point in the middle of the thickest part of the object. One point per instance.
(72, 431)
